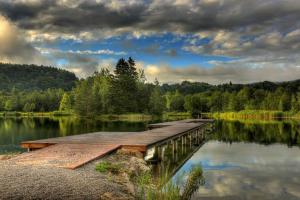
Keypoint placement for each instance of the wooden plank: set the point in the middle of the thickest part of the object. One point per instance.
(134, 148)
(34, 145)
(74, 151)
(69, 156)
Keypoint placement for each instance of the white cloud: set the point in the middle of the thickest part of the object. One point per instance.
(14, 48)
(252, 70)
(82, 52)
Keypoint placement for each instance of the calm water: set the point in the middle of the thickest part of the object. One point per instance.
(15, 130)
(240, 160)
(249, 161)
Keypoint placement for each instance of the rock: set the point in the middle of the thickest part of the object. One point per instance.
(130, 153)
(138, 165)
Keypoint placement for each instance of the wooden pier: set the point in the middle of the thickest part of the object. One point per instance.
(74, 151)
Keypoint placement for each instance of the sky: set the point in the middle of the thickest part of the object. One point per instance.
(213, 41)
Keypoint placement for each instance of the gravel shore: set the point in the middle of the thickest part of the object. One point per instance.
(38, 182)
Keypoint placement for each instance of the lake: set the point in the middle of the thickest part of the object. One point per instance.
(249, 160)
(15, 130)
(240, 159)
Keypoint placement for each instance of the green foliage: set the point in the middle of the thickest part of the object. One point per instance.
(177, 102)
(29, 107)
(65, 103)
(194, 181)
(105, 167)
(124, 87)
(9, 105)
(26, 88)
(157, 101)
(85, 98)
(32, 77)
(36, 101)
(123, 92)
(252, 114)
(168, 190)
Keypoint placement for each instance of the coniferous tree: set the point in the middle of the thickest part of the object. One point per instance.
(124, 87)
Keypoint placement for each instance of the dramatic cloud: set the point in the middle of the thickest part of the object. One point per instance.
(224, 73)
(189, 16)
(261, 36)
(82, 63)
(14, 48)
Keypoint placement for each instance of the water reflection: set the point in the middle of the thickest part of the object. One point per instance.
(169, 157)
(266, 132)
(248, 171)
(15, 130)
(249, 160)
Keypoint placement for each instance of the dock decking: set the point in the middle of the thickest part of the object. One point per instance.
(74, 151)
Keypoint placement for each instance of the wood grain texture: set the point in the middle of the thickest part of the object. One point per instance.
(74, 151)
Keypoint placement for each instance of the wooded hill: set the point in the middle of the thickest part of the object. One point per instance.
(187, 87)
(33, 77)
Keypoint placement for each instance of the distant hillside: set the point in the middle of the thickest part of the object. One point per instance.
(33, 77)
(187, 87)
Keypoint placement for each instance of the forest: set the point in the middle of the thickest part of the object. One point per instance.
(126, 90)
(33, 77)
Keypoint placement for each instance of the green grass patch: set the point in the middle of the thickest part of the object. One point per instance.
(185, 114)
(105, 167)
(125, 117)
(173, 116)
(255, 114)
(165, 189)
(62, 113)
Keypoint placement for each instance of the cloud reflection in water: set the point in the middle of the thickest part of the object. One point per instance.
(247, 171)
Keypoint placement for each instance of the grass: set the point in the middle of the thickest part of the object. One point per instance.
(62, 113)
(105, 167)
(152, 189)
(149, 187)
(194, 181)
(35, 114)
(255, 114)
(175, 116)
(134, 117)
(185, 114)
(108, 117)
(131, 117)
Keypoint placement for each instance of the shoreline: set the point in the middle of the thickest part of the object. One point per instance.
(243, 114)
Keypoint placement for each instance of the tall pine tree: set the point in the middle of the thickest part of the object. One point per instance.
(124, 88)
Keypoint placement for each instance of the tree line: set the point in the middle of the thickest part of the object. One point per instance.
(127, 91)
(244, 99)
(31, 101)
